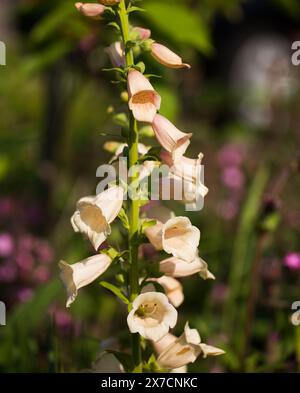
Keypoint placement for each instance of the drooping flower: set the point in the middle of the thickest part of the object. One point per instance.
(167, 57)
(143, 33)
(95, 213)
(185, 177)
(172, 140)
(151, 316)
(144, 101)
(185, 350)
(162, 344)
(82, 273)
(173, 289)
(180, 238)
(116, 54)
(92, 10)
(176, 267)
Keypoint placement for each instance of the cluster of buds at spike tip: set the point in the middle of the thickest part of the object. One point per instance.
(151, 313)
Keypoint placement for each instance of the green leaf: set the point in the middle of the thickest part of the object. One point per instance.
(135, 9)
(124, 219)
(124, 358)
(114, 25)
(114, 69)
(147, 224)
(140, 66)
(116, 291)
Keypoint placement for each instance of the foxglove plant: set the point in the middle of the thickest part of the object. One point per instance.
(151, 291)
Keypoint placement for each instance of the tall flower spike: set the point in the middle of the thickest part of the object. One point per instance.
(82, 273)
(171, 139)
(92, 10)
(144, 101)
(95, 213)
(176, 267)
(166, 57)
(151, 316)
(186, 349)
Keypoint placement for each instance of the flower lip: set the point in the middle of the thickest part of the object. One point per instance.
(144, 101)
(151, 316)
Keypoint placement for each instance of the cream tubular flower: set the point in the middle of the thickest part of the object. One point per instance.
(180, 238)
(176, 267)
(151, 316)
(92, 10)
(95, 213)
(172, 287)
(144, 101)
(82, 273)
(154, 233)
(185, 350)
(171, 139)
(116, 54)
(166, 57)
(162, 344)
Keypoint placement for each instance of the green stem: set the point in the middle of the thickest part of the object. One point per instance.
(133, 204)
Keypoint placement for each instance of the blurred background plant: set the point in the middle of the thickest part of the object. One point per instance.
(241, 100)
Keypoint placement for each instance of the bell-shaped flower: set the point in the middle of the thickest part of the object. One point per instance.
(172, 140)
(92, 10)
(180, 238)
(167, 57)
(162, 344)
(176, 267)
(151, 316)
(94, 214)
(144, 101)
(82, 273)
(185, 350)
(141, 32)
(116, 54)
(154, 233)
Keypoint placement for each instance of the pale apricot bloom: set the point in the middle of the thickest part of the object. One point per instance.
(143, 33)
(154, 233)
(151, 316)
(162, 344)
(116, 54)
(185, 350)
(91, 10)
(82, 273)
(176, 267)
(167, 57)
(94, 214)
(171, 139)
(180, 238)
(173, 289)
(144, 101)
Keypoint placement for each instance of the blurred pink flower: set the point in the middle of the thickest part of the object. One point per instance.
(44, 251)
(233, 177)
(25, 260)
(41, 274)
(231, 154)
(6, 207)
(62, 319)
(292, 260)
(6, 244)
(228, 209)
(8, 272)
(24, 294)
